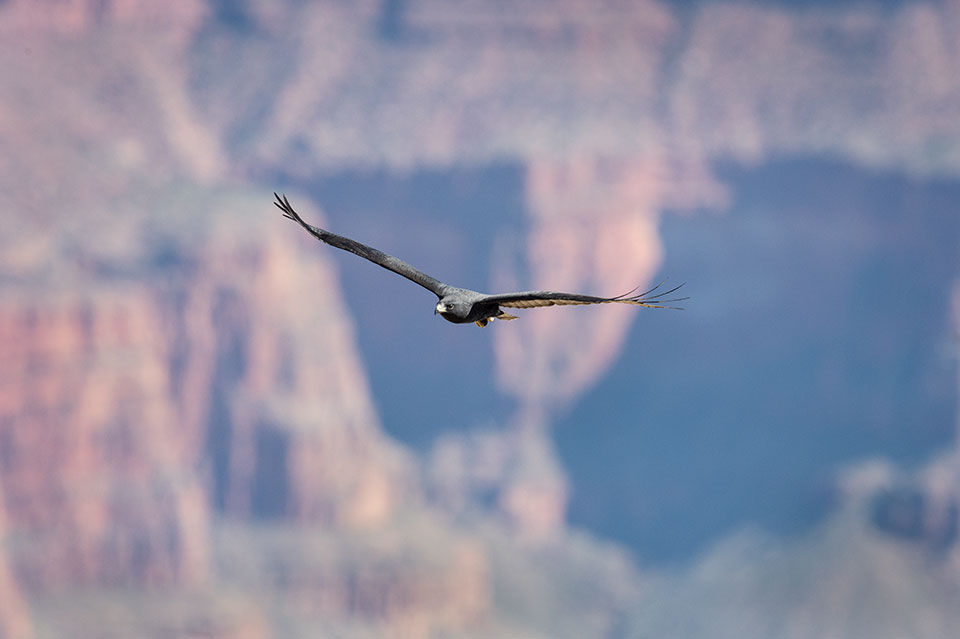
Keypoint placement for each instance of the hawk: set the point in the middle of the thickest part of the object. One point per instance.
(461, 305)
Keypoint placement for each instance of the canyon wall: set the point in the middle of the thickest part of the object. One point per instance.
(14, 614)
(183, 409)
(198, 377)
(193, 354)
(89, 439)
(594, 227)
(175, 355)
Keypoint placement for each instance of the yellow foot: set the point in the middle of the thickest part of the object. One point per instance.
(481, 323)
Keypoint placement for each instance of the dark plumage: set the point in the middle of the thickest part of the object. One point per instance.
(461, 305)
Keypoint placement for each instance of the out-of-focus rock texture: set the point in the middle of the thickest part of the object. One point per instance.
(189, 444)
(87, 363)
(594, 226)
(752, 81)
(14, 614)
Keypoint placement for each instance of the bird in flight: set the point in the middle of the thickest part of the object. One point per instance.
(461, 305)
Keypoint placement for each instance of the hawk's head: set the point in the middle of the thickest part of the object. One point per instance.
(448, 307)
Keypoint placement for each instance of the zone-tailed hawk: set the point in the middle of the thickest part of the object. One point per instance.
(461, 305)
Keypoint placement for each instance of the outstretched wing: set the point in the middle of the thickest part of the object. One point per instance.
(377, 257)
(534, 299)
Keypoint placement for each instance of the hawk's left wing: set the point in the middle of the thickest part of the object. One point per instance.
(534, 299)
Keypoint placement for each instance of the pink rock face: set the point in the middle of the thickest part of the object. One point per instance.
(873, 87)
(14, 614)
(96, 486)
(136, 399)
(594, 230)
(79, 16)
(130, 406)
(274, 386)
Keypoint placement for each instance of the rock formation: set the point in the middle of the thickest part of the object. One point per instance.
(513, 471)
(593, 229)
(90, 439)
(14, 615)
(185, 423)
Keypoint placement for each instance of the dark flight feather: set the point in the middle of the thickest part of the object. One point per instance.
(535, 299)
(380, 258)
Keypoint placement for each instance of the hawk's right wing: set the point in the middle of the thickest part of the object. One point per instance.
(380, 258)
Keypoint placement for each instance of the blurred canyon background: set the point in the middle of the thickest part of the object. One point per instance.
(212, 426)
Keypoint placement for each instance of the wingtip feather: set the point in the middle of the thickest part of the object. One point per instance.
(283, 204)
(654, 299)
